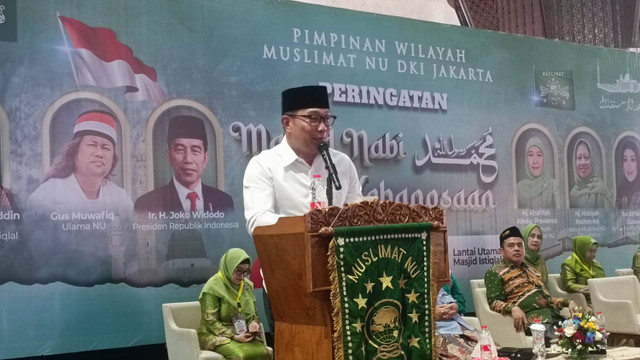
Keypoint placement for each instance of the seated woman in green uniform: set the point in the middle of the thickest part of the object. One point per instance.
(581, 265)
(453, 288)
(532, 236)
(456, 338)
(230, 325)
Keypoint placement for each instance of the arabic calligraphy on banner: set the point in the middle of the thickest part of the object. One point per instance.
(480, 153)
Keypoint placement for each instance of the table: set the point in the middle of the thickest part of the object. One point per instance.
(617, 353)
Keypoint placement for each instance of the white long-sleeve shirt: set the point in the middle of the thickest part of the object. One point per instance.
(276, 183)
(65, 194)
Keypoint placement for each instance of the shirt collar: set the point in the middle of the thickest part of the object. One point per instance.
(523, 265)
(183, 191)
(288, 155)
(75, 180)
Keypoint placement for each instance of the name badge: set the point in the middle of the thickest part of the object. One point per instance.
(240, 324)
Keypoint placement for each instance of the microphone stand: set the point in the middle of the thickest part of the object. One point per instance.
(323, 149)
(329, 189)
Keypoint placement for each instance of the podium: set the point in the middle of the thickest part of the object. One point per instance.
(293, 257)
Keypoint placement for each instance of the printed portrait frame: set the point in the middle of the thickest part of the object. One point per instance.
(596, 145)
(518, 143)
(5, 163)
(156, 131)
(616, 157)
(70, 103)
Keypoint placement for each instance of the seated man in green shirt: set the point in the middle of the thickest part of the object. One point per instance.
(515, 288)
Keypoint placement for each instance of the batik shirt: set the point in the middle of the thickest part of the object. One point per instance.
(509, 285)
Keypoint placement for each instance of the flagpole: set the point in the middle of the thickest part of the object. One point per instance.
(66, 45)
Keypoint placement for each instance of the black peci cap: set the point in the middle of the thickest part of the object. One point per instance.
(188, 127)
(509, 233)
(305, 97)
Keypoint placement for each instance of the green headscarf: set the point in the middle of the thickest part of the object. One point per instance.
(533, 258)
(589, 191)
(536, 192)
(578, 260)
(221, 285)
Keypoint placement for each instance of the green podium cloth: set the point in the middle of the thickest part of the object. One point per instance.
(381, 292)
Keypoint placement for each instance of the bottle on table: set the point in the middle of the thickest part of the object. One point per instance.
(600, 322)
(486, 343)
(318, 192)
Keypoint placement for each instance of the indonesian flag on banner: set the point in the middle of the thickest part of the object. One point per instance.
(104, 61)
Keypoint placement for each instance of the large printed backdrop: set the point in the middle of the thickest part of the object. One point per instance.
(427, 116)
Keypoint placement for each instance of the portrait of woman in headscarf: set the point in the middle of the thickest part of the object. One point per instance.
(581, 265)
(589, 191)
(532, 236)
(628, 192)
(229, 324)
(538, 190)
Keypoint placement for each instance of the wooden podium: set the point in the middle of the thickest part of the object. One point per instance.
(293, 257)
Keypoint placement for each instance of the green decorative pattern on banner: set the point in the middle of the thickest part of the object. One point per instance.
(381, 292)
(554, 89)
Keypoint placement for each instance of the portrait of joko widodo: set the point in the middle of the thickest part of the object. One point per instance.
(188, 155)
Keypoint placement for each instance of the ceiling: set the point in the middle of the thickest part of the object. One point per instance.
(607, 23)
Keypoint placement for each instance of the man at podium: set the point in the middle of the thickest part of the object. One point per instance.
(277, 181)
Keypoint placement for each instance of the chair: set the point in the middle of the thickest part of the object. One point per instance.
(501, 326)
(180, 323)
(618, 298)
(476, 284)
(555, 285)
(624, 272)
(473, 321)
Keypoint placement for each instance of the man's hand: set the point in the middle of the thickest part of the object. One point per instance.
(244, 338)
(584, 290)
(572, 306)
(519, 318)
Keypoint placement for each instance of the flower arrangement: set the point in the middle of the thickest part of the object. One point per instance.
(580, 334)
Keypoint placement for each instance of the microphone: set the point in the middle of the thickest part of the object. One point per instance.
(323, 149)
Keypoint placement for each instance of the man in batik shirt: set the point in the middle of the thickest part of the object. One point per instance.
(515, 288)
